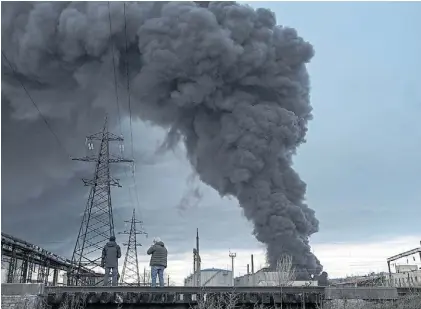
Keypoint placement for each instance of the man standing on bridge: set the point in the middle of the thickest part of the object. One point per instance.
(110, 255)
(158, 261)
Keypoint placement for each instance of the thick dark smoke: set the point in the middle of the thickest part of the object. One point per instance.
(225, 79)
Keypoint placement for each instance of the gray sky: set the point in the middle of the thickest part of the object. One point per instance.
(361, 160)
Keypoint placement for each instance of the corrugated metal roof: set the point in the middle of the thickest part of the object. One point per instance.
(214, 269)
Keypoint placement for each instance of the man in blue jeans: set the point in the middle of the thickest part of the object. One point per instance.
(158, 261)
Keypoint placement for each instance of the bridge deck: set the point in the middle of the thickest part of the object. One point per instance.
(184, 296)
(127, 294)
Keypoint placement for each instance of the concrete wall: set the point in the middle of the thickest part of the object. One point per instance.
(408, 279)
(22, 296)
(361, 293)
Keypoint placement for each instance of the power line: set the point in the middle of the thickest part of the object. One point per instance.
(115, 75)
(129, 102)
(127, 76)
(36, 106)
(116, 86)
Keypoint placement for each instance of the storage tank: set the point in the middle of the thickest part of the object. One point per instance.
(211, 277)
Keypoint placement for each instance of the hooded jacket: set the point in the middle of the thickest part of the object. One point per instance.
(110, 254)
(159, 254)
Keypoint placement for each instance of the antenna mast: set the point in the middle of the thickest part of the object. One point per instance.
(97, 224)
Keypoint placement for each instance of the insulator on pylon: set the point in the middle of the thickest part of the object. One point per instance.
(91, 146)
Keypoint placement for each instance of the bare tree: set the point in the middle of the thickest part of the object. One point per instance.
(285, 271)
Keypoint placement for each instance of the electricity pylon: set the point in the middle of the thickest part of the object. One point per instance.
(97, 224)
(130, 274)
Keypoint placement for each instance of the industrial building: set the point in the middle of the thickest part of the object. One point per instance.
(407, 268)
(268, 277)
(224, 277)
(210, 277)
(407, 278)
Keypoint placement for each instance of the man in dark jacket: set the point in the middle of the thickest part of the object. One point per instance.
(110, 255)
(158, 261)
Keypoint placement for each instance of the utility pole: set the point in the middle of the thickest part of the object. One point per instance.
(232, 255)
(97, 224)
(130, 274)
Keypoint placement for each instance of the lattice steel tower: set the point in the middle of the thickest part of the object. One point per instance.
(130, 274)
(97, 224)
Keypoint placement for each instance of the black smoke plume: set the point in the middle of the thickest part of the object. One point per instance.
(226, 80)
